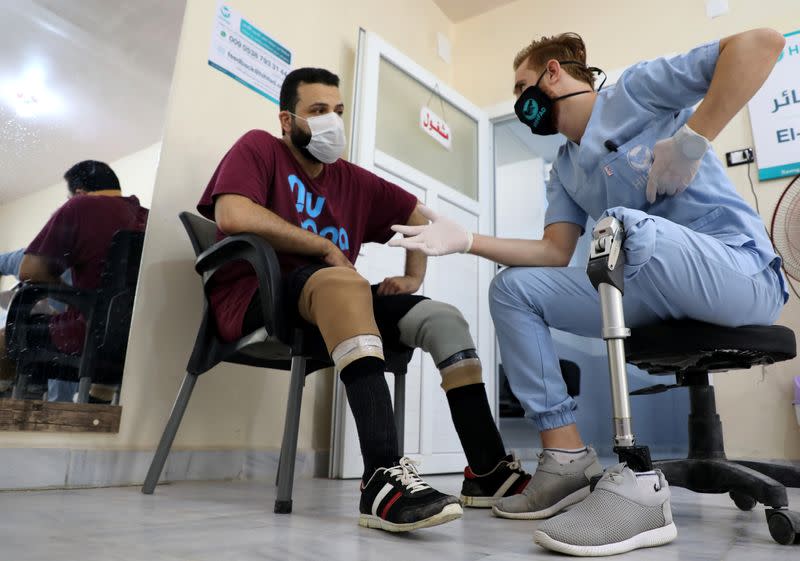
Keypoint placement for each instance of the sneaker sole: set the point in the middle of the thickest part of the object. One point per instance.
(479, 502)
(651, 538)
(569, 500)
(449, 513)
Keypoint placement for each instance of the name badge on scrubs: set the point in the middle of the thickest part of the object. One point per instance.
(609, 170)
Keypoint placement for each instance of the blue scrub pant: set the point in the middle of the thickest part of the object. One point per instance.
(671, 272)
(9, 262)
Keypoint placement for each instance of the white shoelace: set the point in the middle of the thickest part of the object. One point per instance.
(406, 472)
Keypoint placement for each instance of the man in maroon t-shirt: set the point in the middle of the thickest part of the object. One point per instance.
(316, 210)
(77, 237)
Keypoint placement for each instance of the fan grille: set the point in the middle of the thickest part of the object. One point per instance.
(786, 229)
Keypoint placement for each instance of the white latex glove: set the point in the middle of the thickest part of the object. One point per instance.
(675, 163)
(441, 237)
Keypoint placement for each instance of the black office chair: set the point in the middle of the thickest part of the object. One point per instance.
(276, 345)
(107, 312)
(691, 350)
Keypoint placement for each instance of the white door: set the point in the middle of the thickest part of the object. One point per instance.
(388, 139)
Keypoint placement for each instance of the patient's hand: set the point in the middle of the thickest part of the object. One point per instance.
(399, 285)
(335, 258)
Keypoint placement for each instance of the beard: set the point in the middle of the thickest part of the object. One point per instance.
(300, 139)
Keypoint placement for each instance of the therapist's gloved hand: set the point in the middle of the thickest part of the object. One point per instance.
(675, 163)
(441, 237)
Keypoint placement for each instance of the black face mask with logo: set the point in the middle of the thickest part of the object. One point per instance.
(535, 108)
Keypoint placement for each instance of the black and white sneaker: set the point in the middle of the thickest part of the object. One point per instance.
(396, 499)
(484, 490)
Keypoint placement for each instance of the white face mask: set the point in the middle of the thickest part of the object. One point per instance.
(327, 136)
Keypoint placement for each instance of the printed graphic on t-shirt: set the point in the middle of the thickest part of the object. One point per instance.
(310, 208)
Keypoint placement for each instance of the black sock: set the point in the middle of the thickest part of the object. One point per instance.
(371, 404)
(475, 426)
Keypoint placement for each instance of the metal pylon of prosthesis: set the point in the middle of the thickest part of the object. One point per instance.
(606, 273)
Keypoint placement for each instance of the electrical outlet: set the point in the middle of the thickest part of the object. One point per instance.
(739, 157)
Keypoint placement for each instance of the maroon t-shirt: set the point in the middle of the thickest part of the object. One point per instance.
(78, 237)
(345, 204)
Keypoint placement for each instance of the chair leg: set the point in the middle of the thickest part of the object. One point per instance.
(721, 476)
(160, 457)
(84, 385)
(283, 504)
(400, 410)
(20, 386)
(787, 475)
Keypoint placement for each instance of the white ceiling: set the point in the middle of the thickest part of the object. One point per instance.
(109, 63)
(458, 10)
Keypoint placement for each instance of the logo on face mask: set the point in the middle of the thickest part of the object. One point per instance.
(530, 109)
(532, 112)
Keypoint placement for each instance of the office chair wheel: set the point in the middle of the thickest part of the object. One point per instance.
(784, 526)
(742, 501)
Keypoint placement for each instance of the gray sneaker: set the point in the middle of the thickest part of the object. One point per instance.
(626, 511)
(554, 487)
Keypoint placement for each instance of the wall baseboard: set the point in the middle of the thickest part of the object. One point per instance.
(58, 468)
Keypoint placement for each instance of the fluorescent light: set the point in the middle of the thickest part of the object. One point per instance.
(29, 96)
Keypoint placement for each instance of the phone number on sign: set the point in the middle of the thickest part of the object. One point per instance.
(255, 55)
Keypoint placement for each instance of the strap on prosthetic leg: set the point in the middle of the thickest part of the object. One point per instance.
(355, 348)
(461, 369)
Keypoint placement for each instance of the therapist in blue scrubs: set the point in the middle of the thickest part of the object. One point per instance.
(694, 249)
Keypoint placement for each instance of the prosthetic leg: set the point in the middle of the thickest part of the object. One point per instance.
(606, 273)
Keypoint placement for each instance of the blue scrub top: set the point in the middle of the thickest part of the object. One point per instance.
(651, 101)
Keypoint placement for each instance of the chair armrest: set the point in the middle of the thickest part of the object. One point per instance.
(261, 256)
(27, 296)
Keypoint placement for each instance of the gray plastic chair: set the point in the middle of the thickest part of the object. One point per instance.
(276, 345)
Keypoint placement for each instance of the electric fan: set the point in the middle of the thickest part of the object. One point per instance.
(786, 229)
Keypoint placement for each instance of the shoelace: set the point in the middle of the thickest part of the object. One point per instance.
(406, 472)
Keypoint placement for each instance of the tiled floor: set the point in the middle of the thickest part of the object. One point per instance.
(233, 521)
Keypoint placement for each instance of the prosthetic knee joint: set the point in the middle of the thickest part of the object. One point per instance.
(606, 272)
